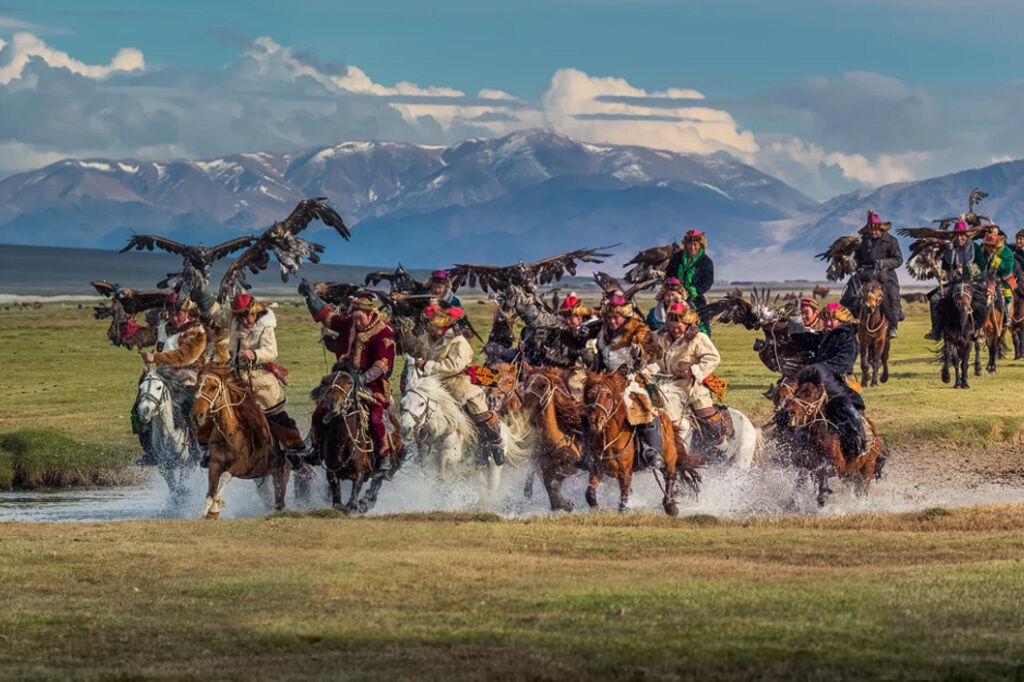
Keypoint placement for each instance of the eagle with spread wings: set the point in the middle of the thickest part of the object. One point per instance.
(197, 261)
(526, 276)
(840, 257)
(400, 280)
(283, 241)
(971, 218)
(124, 303)
(925, 260)
(651, 263)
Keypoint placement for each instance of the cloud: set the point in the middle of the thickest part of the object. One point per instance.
(16, 54)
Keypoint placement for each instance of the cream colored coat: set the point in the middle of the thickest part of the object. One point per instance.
(261, 339)
(447, 358)
(671, 358)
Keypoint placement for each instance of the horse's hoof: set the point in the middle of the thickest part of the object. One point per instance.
(945, 377)
(364, 506)
(671, 508)
(212, 516)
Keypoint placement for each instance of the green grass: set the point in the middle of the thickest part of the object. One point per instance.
(439, 596)
(49, 458)
(61, 373)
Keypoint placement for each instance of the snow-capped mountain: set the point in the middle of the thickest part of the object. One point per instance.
(526, 195)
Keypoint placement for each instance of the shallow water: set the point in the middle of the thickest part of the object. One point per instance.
(725, 493)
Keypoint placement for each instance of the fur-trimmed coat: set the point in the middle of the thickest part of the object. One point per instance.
(179, 348)
(261, 339)
(447, 358)
(672, 357)
(622, 351)
(371, 351)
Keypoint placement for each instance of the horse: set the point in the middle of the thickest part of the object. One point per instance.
(345, 443)
(161, 409)
(613, 442)
(820, 452)
(991, 329)
(237, 435)
(873, 334)
(435, 427)
(742, 449)
(959, 312)
(1017, 323)
(556, 417)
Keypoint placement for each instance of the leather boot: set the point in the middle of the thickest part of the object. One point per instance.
(934, 334)
(488, 428)
(649, 437)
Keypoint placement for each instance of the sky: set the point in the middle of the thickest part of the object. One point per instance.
(829, 95)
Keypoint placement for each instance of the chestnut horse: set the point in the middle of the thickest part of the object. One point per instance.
(237, 436)
(992, 329)
(873, 335)
(613, 441)
(557, 420)
(820, 452)
(345, 444)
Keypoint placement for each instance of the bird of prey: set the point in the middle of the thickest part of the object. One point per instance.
(651, 263)
(196, 260)
(124, 303)
(281, 239)
(400, 280)
(925, 260)
(840, 256)
(526, 276)
(971, 218)
(609, 285)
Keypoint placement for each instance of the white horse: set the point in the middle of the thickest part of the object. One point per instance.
(166, 430)
(743, 449)
(436, 429)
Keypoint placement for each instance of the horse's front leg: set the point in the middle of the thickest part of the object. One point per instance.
(965, 363)
(217, 478)
(334, 483)
(977, 357)
(591, 495)
(885, 360)
(370, 498)
(993, 351)
(625, 484)
(353, 500)
(280, 476)
(864, 376)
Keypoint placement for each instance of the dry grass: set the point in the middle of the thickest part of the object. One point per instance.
(442, 596)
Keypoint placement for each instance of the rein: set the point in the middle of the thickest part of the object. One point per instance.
(221, 393)
(609, 412)
(813, 411)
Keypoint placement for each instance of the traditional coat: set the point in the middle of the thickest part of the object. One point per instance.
(447, 358)
(696, 274)
(180, 348)
(364, 349)
(622, 351)
(693, 351)
(954, 257)
(261, 339)
(877, 258)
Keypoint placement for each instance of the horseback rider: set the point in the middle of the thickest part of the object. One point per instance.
(252, 348)
(180, 343)
(620, 349)
(688, 358)
(671, 291)
(962, 261)
(365, 348)
(878, 255)
(810, 315)
(694, 269)
(443, 352)
(835, 351)
(1001, 259)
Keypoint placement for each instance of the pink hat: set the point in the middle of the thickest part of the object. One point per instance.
(960, 226)
(671, 280)
(617, 299)
(439, 274)
(873, 218)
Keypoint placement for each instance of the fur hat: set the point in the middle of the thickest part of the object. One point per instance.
(187, 305)
(834, 311)
(696, 236)
(680, 312)
(442, 318)
(573, 306)
(960, 226)
(617, 304)
(364, 303)
(810, 303)
(242, 303)
(438, 277)
(1020, 233)
(874, 222)
(671, 284)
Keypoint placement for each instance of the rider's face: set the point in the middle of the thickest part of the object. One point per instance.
(960, 239)
(179, 318)
(247, 320)
(361, 318)
(875, 232)
(614, 321)
(671, 297)
(436, 332)
(830, 323)
(808, 315)
(573, 320)
(438, 289)
(676, 329)
(691, 247)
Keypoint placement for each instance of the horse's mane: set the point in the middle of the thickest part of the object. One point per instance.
(246, 408)
(810, 375)
(568, 411)
(431, 388)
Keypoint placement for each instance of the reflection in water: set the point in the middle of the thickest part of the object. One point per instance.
(728, 494)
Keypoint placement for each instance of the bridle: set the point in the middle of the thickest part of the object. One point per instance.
(812, 410)
(608, 413)
(157, 402)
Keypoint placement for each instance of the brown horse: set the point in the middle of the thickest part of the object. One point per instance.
(345, 444)
(232, 424)
(873, 335)
(821, 453)
(556, 417)
(992, 329)
(613, 441)
(1017, 323)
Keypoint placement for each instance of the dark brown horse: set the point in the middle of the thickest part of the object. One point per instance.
(873, 335)
(1017, 323)
(613, 440)
(232, 424)
(556, 417)
(961, 313)
(345, 445)
(820, 452)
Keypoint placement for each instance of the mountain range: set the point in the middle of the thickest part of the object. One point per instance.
(527, 195)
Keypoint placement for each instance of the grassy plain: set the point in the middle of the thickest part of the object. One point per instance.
(928, 595)
(61, 373)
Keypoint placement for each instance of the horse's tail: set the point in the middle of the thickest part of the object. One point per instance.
(750, 441)
(515, 434)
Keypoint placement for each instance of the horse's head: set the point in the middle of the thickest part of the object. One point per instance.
(335, 393)
(535, 388)
(805, 405)
(602, 399)
(781, 391)
(153, 391)
(503, 395)
(871, 296)
(211, 393)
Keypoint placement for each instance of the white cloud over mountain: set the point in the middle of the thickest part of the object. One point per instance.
(823, 135)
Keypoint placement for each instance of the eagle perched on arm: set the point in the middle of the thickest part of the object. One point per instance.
(651, 263)
(283, 241)
(925, 260)
(124, 303)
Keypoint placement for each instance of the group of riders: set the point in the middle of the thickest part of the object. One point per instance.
(670, 344)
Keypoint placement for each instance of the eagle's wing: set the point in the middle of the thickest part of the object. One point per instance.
(142, 242)
(925, 261)
(607, 283)
(488, 277)
(553, 268)
(731, 309)
(230, 246)
(132, 300)
(840, 256)
(650, 263)
(308, 210)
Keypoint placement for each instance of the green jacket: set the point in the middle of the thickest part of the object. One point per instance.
(1002, 262)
